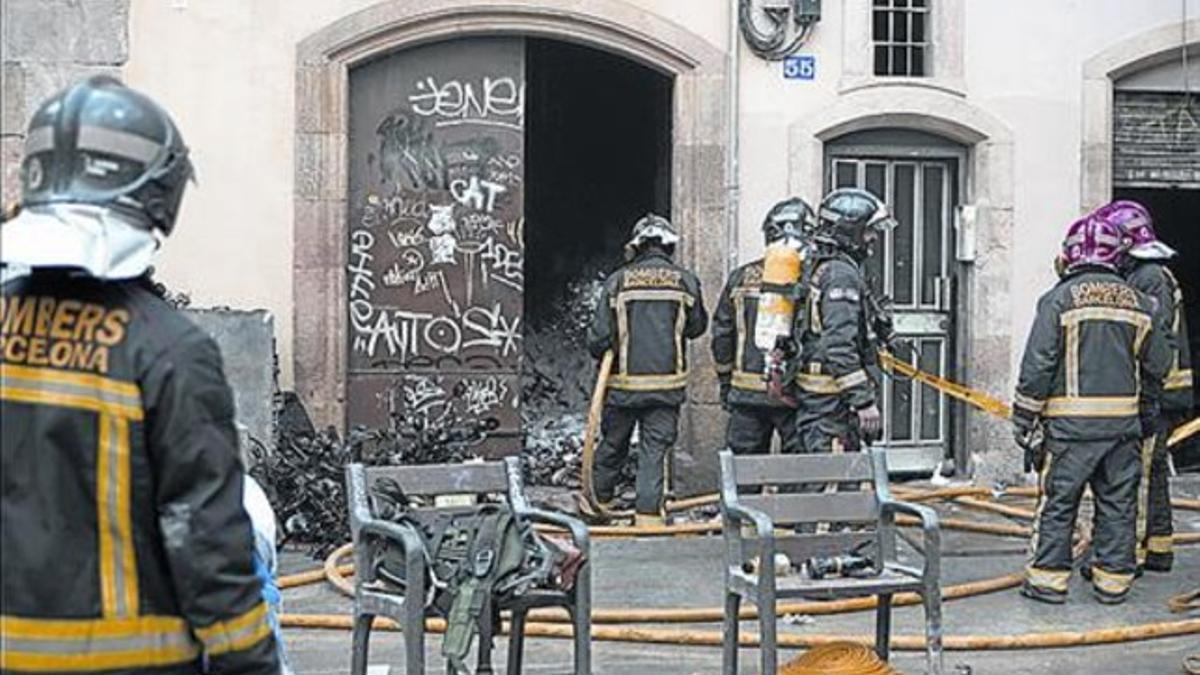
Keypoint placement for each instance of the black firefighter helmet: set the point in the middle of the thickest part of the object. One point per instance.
(851, 220)
(792, 217)
(102, 143)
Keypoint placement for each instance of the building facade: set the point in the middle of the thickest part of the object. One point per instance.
(409, 184)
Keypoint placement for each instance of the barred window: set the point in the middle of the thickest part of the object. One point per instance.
(900, 33)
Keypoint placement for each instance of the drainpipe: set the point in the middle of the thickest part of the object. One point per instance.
(731, 143)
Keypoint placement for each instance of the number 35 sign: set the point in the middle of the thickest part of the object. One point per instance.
(803, 67)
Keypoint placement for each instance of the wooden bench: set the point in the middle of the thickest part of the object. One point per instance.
(497, 479)
(863, 514)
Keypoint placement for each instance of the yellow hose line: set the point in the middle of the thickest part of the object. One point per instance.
(591, 432)
(713, 638)
(993, 507)
(310, 577)
(1184, 602)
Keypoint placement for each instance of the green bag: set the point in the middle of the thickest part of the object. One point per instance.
(472, 555)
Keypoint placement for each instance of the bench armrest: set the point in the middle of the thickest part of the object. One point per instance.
(930, 528)
(736, 515)
(409, 540)
(579, 531)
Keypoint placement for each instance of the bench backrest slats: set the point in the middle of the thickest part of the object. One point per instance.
(444, 479)
(801, 547)
(841, 507)
(803, 469)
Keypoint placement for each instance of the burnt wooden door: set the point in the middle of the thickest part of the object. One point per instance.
(436, 215)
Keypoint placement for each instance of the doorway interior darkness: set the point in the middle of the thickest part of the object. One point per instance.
(1174, 212)
(598, 157)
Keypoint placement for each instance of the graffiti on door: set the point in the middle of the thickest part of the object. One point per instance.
(435, 272)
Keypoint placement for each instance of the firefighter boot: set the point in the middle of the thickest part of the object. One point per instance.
(1042, 594)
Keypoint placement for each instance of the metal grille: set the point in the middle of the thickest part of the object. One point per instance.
(1156, 140)
(912, 267)
(900, 35)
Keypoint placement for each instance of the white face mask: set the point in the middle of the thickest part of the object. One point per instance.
(98, 240)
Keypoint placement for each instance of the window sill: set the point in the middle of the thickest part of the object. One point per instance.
(954, 87)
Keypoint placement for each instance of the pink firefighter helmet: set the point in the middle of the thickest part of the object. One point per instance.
(1093, 240)
(1135, 222)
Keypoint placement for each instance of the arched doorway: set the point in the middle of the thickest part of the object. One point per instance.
(981, 145)
(696, 71)
(1140, 140)
(491, 181)
(918, 175)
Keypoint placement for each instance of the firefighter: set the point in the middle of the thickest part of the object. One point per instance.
(836, 397)
(126, 547)
(754, 415)
(1147, 271)
(647, 311)
(1088, 391)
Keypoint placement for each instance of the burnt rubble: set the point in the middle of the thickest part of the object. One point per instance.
(304, 477)
(557, 377)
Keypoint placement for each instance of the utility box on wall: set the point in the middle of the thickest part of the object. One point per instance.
(807, 11)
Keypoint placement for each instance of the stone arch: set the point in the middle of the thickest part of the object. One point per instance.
(323, 62)
(1144, 50)
(988, 327)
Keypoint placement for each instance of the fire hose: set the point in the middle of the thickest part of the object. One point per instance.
(548, 623)
(890, 363)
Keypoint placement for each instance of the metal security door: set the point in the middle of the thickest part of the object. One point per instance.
(913, 267)
(436, 216)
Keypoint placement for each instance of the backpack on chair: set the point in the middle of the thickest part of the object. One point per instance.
(473, 555)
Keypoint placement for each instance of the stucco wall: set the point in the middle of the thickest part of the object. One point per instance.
(226, 69)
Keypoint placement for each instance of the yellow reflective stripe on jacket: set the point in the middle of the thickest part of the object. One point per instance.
(1055, 580)
(1071, 321)
(817, 384)
(748, 381)
(851, 380)
(236, 634)
(743, 333)
(1178, 379)
(1029, 403)
(627, 382)
(116, 403)
(1110, 582)
(89, 645)
(118, 563)
(1091, 406)
(620, 303)
(723, 368)
(70, 390)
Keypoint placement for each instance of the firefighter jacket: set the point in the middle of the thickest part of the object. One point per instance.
(835, 349)
(647, 311)
(125, 544)
(739, 362)
(1094, 361)
(1155, 279)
